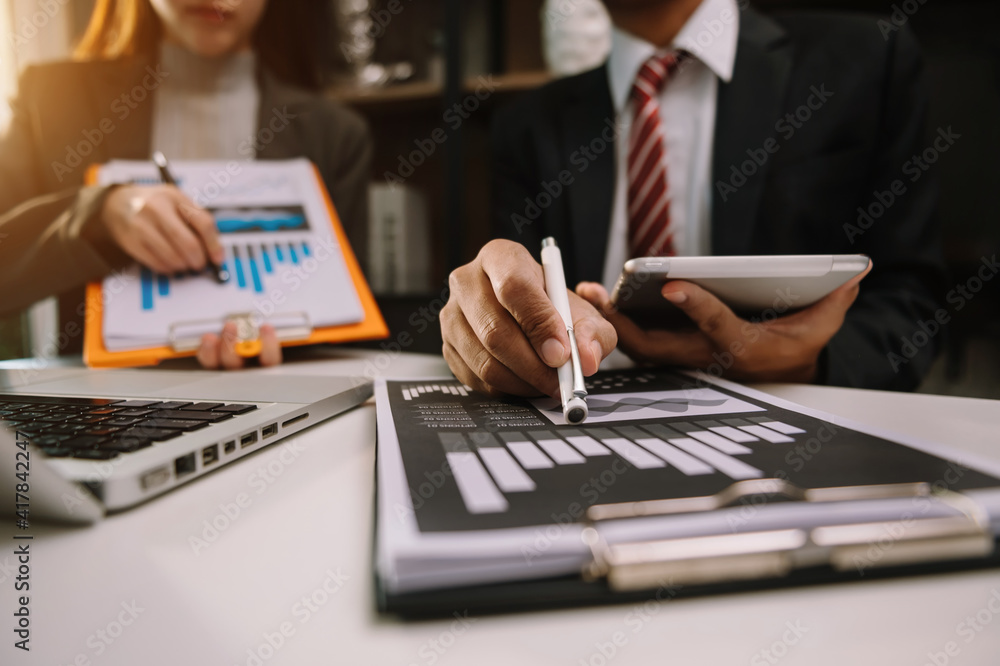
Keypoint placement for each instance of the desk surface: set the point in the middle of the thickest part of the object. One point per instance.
(305, 528)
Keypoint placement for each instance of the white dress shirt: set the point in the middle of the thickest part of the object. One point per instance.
(206, 108)
(687, 110)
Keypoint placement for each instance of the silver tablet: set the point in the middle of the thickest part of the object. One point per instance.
(749, 285)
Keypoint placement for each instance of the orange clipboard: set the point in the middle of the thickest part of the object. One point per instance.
(371, 327)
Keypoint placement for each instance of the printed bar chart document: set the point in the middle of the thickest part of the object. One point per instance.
(670, 473)
(285, 253)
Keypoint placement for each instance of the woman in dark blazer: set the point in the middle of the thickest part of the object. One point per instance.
(198, 79)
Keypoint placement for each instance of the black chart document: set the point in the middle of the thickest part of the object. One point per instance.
(461, 471)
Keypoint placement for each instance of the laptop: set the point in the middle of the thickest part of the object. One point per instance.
(98, 441)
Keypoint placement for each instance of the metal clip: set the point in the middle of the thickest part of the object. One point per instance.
(294, 326)
(721, 558)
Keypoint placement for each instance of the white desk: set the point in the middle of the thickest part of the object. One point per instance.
(314, 516)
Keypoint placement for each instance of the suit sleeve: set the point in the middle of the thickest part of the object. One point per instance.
(50, 242)
(515, 179)
(882, 344)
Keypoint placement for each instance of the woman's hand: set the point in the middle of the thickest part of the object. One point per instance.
(219, 351)
(161, 228)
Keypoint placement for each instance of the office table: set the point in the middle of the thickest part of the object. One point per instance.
(268, 561)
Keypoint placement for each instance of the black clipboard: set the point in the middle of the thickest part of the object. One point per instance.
(962, 537)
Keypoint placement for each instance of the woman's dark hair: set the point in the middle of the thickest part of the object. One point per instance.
(292, 39)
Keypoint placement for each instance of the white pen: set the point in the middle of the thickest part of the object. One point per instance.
(572, 390)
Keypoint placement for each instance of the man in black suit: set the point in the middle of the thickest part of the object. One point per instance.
(816, 147)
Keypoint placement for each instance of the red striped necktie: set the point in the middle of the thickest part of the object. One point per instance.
(649, 232)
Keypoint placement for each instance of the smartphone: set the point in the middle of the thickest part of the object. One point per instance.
(750, 285)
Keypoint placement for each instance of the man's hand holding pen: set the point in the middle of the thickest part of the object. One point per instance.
(502, 334)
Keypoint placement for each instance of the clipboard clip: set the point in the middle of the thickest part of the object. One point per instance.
(292, 326)
(639, 565)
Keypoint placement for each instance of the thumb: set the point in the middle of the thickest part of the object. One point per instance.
(830, 311)
(519, 286)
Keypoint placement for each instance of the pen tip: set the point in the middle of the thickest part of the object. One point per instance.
(576, 411)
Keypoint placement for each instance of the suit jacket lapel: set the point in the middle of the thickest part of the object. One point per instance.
(280, 136)
(584, 119)
(128, 92)
(748, 108)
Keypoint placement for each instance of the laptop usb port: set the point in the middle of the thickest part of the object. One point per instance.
(229, 446)
(184, 465)
(209, 455)
(269, 430)
(155, 477)
(248, 439)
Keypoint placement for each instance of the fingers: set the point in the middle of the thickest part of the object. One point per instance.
(228, 358)
(220, 351)
(203, 224)
(208, 352)
(498, 380)
(595, 335)
(161, 228)
(712, 317)
(822, 320)
(155, 251)
(270, 352)
(165, 215)
(848, 291)
(659, 347)
(497, 305)
(498, 355)
(519, 287)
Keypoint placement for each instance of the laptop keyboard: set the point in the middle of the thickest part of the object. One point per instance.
(101, 429)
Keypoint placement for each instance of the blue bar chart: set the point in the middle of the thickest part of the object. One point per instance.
(266, 219)
(280, 255)
(250, 264)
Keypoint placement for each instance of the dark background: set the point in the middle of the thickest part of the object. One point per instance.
(466, 38)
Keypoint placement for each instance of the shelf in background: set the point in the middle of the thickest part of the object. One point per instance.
(406, 96)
